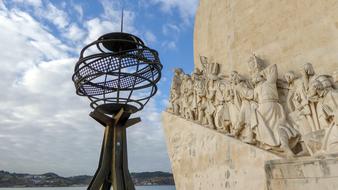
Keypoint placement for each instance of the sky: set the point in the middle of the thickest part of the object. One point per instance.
(44, 125)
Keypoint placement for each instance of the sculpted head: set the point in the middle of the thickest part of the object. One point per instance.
(222, 86)
(178, 71)
(326, 81)
(235, 78)
(197, 71)
(316, 88)
(289, 77)
(196, 74)
(308, 68)
(257, 78)
(255, 64)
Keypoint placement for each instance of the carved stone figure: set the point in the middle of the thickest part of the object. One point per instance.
(196, 78)
(298, 105)
(222, 116)
(327, 103)
(272, 128)
(175, 92)
(200, 99)
(327, 109)
(290, 78)
(210, 94)
(243, 120)
(211, 76)
(304, 114)
(330, 141)
(188, 97)
(308, 74)
(233, 100)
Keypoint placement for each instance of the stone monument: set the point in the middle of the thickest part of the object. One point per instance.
(260, 110)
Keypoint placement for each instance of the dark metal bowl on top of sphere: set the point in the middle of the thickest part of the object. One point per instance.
(117, 71)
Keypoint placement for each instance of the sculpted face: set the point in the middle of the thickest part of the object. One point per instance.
(289, 77)
(257, 79)
(222, 87)
(316, 89)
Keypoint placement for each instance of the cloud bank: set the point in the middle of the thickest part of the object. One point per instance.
(44, 126)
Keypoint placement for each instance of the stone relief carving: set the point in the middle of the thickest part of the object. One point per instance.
(304, 123)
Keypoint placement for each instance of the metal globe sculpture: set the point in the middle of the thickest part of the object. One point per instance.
(118, 74)
(117, 70)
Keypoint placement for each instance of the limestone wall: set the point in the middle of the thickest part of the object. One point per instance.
(284, 32)
(203, 159)
(301, 174)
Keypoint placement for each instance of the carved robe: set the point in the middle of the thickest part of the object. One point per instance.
(328, 110)
(234, 104)
(270, 115)
(246, 95)
(222, 111)
(188, 96)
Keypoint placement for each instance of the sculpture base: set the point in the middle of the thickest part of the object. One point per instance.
(305, 173)
(204, 159)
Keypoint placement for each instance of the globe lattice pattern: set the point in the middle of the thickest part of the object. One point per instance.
(123, 78)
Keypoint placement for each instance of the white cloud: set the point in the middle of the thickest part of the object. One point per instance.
(79, 10)
(74, 33)
(97, 27)
(26, 27)
(40, 111)
(150, 37)
(34, 3)
(170, 45)
(186, 8)
(140, 137)
(170, 29)
(112, 10)
(56, 16)
(112, 13)
(2, 5)
(110, 21)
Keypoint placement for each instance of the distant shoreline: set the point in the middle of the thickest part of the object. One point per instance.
(17, 180)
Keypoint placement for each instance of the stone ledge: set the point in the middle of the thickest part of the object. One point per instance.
(305, 173)
(206, 159)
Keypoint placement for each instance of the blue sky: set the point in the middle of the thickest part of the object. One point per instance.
(44, 126)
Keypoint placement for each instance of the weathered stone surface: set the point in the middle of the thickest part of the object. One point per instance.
(204, 159)
(288, 33)
(300, 174)
(285, 33)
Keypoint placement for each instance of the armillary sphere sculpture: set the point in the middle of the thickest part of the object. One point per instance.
(118, 74)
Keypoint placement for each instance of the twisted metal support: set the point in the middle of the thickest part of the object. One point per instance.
(113, 165)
